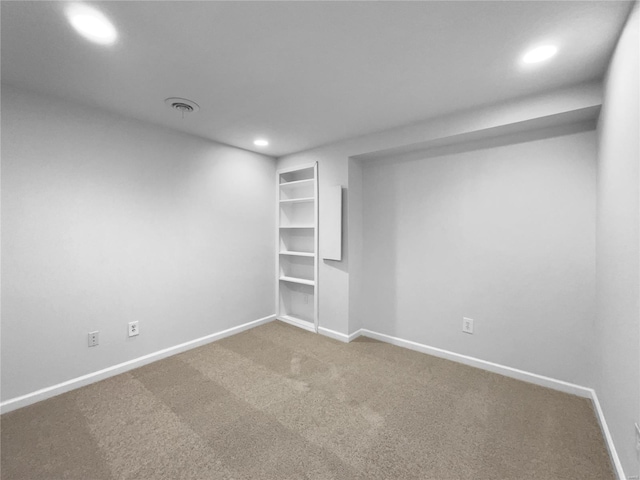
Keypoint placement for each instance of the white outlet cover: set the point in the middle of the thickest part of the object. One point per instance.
(134, 329)
(94, 338)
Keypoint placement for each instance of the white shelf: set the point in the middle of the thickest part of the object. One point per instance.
(302, 281)
(298, 183)
(298, 200)
(297, 226)
(298, 254)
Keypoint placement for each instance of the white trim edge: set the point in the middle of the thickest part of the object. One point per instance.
(613, 454)
(339, 336)
(52, 391)
(522, 375)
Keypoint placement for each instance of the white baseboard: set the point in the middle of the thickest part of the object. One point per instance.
(613, 454)
(529, 377)
(52, 391)
(483, 364)
(339, 336)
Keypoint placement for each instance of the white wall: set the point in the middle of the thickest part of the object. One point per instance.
(333, 169)
(504, 235)
(107, 220)
(618, 285)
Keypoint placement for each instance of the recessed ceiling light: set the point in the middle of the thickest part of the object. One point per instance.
(261, 142)
(540, 54)
(91, 24)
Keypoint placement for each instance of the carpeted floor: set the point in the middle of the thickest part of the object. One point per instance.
(277, 402)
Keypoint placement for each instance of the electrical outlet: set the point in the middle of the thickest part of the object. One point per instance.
(133, 329)
(467, 325)
(637, 437)
(94, 338)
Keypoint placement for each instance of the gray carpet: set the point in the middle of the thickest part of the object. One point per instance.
(277, 402)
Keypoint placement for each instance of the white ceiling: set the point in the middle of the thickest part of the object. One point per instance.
(305, 73)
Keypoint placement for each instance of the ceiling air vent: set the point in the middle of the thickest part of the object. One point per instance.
(181, 105)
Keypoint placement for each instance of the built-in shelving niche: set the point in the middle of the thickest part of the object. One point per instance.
(297, 259)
